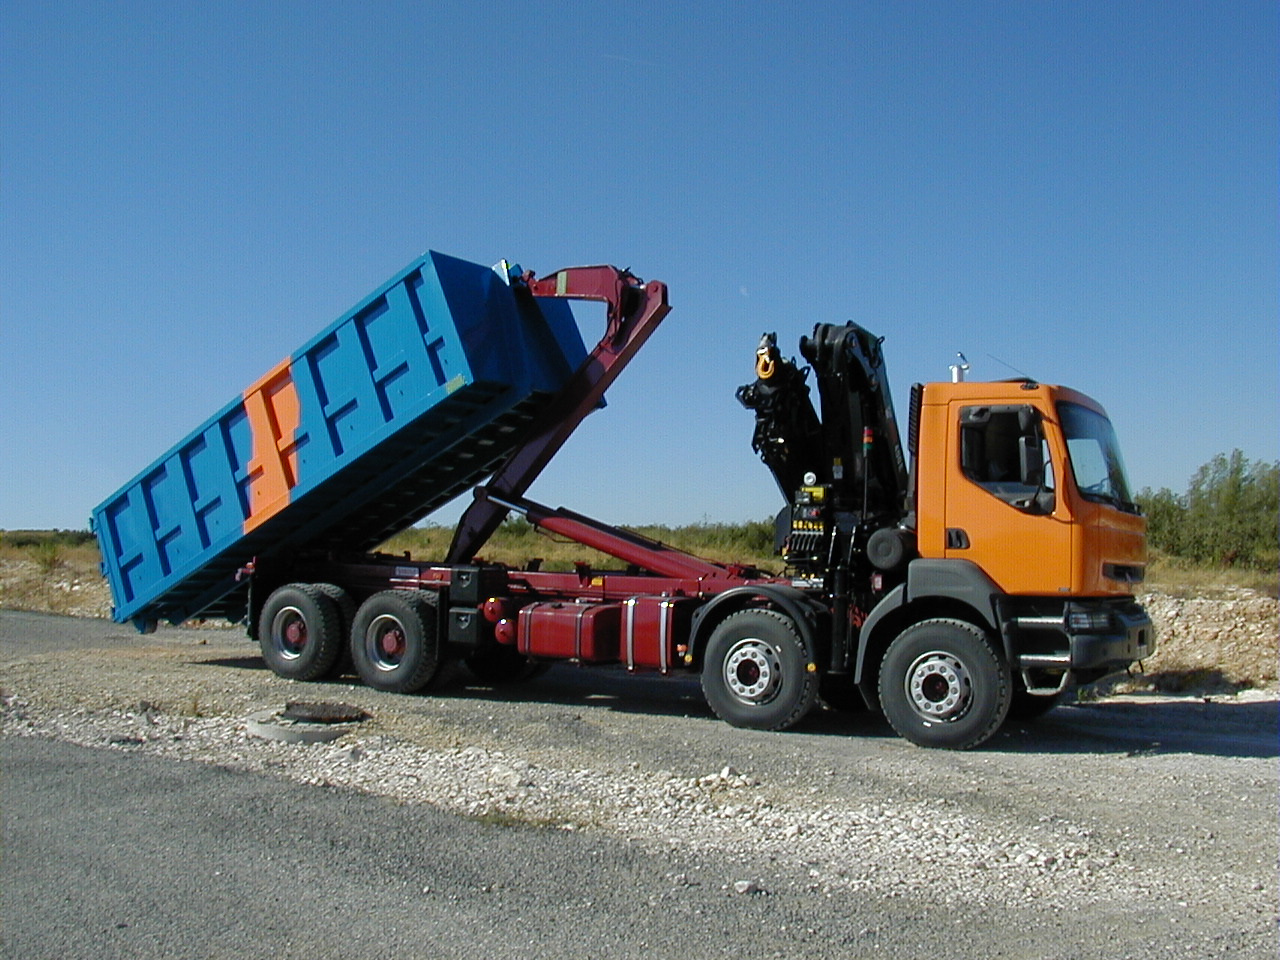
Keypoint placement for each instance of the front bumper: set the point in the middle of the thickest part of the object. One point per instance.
(1132, 638)
(1053, 643)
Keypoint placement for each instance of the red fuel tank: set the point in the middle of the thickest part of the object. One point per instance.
(587, 632)
(652, 630)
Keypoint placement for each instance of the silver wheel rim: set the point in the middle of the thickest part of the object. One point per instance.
(753, 671)
(385, 643)
(289, 633)
(939, 687)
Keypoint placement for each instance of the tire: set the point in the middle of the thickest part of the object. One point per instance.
(394, 643)
(757, 672)
(347, 614)
(300, 632)
(840, 693)
(342, 600)
(943, 683)
(503, 665)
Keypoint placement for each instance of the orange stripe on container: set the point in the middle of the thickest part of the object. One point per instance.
(274, 417)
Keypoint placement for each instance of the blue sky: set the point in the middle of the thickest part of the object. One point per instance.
(1086, 192)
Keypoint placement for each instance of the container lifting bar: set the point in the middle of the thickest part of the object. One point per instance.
(634, 310)
(625, 545)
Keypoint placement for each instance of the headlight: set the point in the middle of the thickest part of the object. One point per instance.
(1090, 621)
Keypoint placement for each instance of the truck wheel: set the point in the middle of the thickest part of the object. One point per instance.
(757, 672)
(944, 684)
(300, 632)
(394, 644)
(342, 600)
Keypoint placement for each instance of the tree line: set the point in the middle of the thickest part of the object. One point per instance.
(1229, 516)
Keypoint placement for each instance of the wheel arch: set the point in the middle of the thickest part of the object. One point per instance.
(804, 611)
(957, 589)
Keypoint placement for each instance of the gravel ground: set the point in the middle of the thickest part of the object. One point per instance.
(1143, 812)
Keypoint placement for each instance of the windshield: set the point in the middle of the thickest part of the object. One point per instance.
(1095, 456)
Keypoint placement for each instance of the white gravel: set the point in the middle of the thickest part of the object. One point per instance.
(899, 847)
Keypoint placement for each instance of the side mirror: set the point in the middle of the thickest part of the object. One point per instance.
(1030, 466)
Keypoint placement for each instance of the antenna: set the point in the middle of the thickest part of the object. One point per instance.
(1011, 367)
(958, 370)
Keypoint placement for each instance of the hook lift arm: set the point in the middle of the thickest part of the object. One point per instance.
(634, 310)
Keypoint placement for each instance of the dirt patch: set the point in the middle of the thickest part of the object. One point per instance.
(1045, 814)
(1213, 643)
(72, 588)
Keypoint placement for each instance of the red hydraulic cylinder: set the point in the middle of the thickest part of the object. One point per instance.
(626, 546)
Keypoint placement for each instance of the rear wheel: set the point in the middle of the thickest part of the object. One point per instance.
(943, 683)
(394, 643)
(300, 632)
(757, 671)
(342, 600)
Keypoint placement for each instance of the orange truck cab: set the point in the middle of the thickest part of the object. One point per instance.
(1024, 485)
(980, 581)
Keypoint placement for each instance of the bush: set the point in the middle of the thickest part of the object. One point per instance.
(36, 538)
(48, 556)
(1229, 516)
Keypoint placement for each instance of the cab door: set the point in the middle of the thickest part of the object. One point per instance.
(1002, 511)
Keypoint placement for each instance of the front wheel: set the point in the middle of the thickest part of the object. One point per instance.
(758, 673)
(943, 683)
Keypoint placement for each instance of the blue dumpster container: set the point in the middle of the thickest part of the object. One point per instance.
(396, 407)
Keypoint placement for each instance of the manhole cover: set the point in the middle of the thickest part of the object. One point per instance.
(313, 712)
(302, 722)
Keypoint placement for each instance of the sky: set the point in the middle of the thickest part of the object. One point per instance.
(1085, 193)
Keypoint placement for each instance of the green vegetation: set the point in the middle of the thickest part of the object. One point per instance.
(1222, 534)
(1189, 579)
(48, 556)
(52, 570)
(1228, 518)
(41, 539)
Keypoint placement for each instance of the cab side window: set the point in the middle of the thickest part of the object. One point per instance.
(1002, 450)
